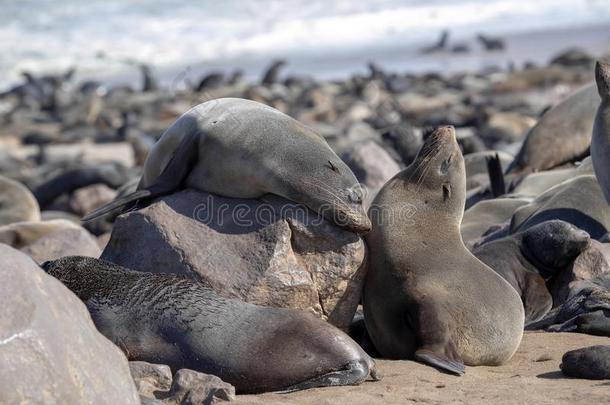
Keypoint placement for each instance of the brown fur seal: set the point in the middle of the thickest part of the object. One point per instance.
(526, 258)
(600, 141)
(173, 320)
(425, 295)
(578, 201)
(562, 134)
(240, 148)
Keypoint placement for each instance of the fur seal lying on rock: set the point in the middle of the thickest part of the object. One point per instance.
(168, 319)
(240, 148)
(425, 295)
(600, 141)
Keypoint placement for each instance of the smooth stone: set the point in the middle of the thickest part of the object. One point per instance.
(50, 350)
(591, 362)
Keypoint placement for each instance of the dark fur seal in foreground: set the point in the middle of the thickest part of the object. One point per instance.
(168, 319)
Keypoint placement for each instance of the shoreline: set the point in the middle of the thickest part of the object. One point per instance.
(536, 47)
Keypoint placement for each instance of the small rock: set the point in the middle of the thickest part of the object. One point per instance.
(371, 164)
(150, 378)
(87, 199)
(191, 387)
(591, 362)
(66, 242)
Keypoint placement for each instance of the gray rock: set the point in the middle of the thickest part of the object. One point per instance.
(591, 362)
(50, 350)
(372, 165)
(268, 252)
(193, 388)
(150, 379)
(87, 199)
(65, 242)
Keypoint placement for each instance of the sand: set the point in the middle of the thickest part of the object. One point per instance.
(532, 376)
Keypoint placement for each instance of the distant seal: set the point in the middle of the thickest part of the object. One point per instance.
(425, 295)
(561, 135)
(591, 362)
(173, 320)
(600, 141)
(240, 148)
(17, 204)
(526, 258)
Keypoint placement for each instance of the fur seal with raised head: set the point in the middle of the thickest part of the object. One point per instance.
(173, 320)
(425, 295)
(240, 148)
(600, 141)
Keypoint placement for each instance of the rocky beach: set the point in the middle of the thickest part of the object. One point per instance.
(534, 212)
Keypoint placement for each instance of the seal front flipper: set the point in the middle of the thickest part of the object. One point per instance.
(352, 374)
(169, 180)
(440, 361)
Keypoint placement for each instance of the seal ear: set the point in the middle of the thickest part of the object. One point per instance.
(602, 78)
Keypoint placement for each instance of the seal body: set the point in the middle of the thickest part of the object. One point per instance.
(600, 140)
(240, 148)
(425, 295)
(527, 258)
(560, 136)
(168, 319)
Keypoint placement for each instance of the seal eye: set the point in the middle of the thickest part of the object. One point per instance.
(446, 191)
(333, 167)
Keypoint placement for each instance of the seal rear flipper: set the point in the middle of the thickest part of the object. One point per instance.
(496, 176)
(354, 373)
(174, 174)
(440, 361)
(117, 206)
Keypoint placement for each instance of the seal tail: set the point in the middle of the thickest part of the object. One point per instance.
(496, 177)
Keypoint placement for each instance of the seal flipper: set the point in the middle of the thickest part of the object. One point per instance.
(176, 171)
(537, 300)
(116, 206)
(353, 373)
(440, 361)
(496, 176)
(437, 348)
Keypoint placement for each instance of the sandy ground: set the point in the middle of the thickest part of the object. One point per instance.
(532, 376)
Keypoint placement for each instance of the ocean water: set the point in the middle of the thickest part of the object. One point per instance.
(105, 38)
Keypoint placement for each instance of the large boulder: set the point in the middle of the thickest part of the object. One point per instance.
(50, 351)
(269, 251)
